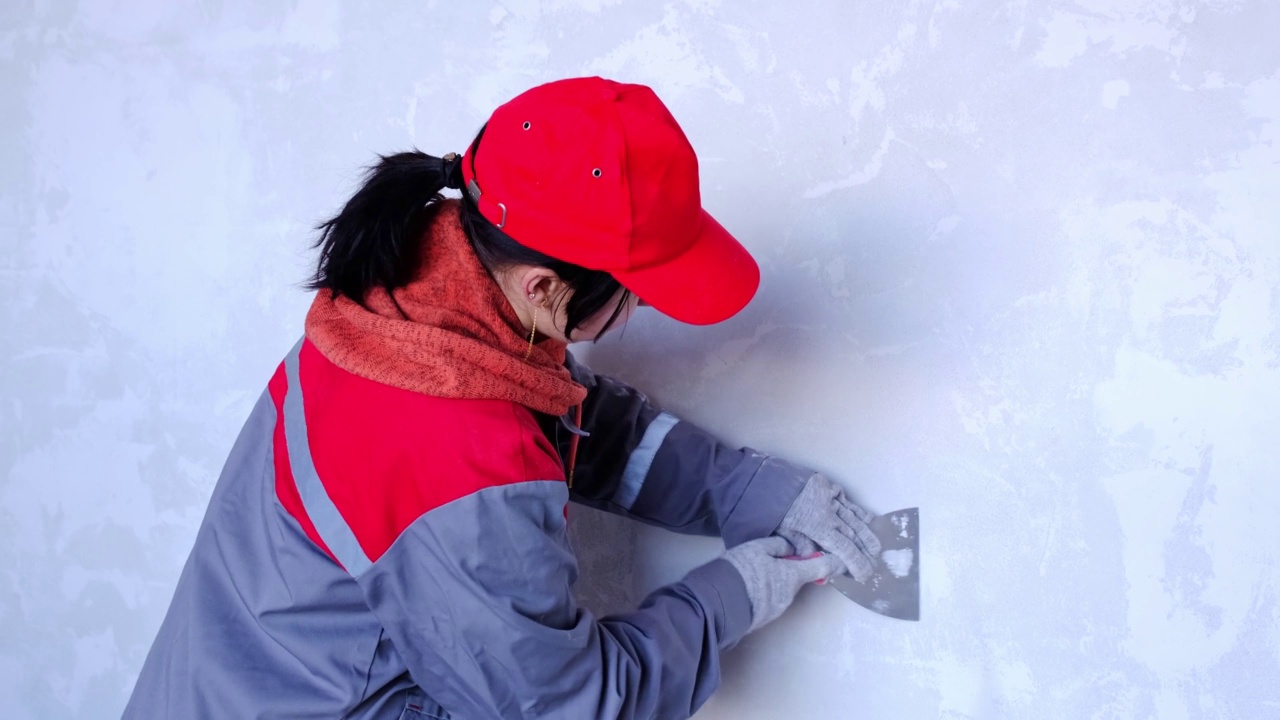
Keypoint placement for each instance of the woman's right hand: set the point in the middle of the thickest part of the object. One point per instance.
(773, 575)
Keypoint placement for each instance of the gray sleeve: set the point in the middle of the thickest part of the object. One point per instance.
(645, 463)
(476, 598)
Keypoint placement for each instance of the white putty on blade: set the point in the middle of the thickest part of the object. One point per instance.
(901, 522)
(898, 561)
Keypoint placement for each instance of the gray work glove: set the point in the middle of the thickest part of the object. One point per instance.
(824, 518)
(774, 575)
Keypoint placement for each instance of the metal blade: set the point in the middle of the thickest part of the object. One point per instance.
(894, 588)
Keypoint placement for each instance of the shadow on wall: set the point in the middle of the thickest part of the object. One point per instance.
(606, 547)
(879, 307)
(829, 365)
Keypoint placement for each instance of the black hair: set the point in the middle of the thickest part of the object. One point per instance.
(373, 241)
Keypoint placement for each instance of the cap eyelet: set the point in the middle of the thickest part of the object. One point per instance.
(596, 173)
(527, 124)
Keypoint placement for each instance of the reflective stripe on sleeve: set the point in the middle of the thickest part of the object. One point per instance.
(333, 529)
(642, 459)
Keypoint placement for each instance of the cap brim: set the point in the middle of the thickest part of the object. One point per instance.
(710, 282)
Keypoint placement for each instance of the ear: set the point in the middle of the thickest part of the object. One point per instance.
(540, 285)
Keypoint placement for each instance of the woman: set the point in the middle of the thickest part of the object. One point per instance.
(387, 539)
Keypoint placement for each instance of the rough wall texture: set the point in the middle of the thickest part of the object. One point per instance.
(1021, 268)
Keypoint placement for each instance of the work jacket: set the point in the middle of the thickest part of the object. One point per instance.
(371, 552)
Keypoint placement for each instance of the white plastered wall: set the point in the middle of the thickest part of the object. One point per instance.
(1021, 268)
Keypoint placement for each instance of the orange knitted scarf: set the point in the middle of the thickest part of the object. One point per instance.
(458, 336)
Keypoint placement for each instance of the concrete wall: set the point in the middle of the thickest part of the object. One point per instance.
(1021, 268)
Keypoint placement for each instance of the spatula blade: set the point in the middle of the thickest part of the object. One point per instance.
(893, 589)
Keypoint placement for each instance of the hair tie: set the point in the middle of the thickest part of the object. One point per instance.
(452, 171)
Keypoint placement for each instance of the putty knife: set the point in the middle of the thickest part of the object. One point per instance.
(894, 587)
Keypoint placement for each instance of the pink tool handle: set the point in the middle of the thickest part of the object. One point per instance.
(810, 556)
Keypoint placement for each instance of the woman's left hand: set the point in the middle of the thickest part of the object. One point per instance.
(824, 518)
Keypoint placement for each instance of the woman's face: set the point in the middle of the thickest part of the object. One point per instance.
(591, 328)
(536, 292)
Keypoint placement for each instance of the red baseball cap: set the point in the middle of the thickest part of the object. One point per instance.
(597, 173)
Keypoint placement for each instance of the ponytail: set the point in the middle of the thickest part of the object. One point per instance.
(372, 242)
